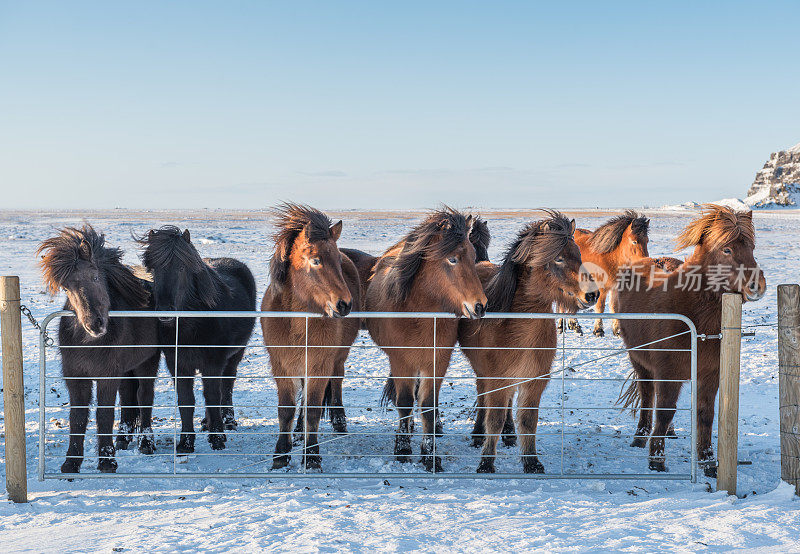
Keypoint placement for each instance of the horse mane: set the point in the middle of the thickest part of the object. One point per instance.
(60, 255)
(479, 236)
(451, 226)
(291, 220)
(718, 226)
(538, 243)
(163, 245)
(607, 237)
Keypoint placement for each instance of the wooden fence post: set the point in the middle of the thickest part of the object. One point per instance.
(728, 418)
(789, 382)
(13, 390)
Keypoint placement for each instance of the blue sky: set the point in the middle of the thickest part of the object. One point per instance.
(391, 105)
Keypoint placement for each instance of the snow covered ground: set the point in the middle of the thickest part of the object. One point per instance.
(391, 513)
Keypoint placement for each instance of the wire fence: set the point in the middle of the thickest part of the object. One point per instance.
(581, 434)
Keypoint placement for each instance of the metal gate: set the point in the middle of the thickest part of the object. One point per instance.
(366, 450)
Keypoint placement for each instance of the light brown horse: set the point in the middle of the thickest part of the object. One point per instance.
(620, 241)
(308, 273)
(722, 261)
(432, 269)
(541, 267)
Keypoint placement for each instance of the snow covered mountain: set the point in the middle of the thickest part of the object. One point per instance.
(778, 182)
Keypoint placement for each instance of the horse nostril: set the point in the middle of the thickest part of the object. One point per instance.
(343, 307)
(98, 322)
(480, 309)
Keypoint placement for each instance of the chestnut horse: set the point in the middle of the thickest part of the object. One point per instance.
(722, 261)
(308, 273)
(541, 267)
(620, 241)
(431, 269)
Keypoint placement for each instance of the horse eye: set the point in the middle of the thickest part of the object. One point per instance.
(726, 251)
(636, 242)
(315, 261)
(560, 260)
(95, 278)
(453, 260)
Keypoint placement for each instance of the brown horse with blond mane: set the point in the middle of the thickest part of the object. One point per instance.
(541, 267)
(308, 273)
(722, 261)
(431, 269)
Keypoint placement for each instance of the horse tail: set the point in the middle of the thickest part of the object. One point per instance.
(389, 393)
(629, 398)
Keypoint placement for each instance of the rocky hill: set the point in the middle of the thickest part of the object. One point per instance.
(778, 182)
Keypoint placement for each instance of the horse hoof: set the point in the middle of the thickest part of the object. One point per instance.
(313, 462)
(231, 424)
(217, 441)
(204, 425)
(710, 471)
(486, 466)
(599, 333)
(510, 440)
(430, 462)
(71, 466)
(658, 465)
(280, 461)
(532, 465)
(185, 445)
(639, 442)
(147, 446)
(339, 425)
(671, 433)
(107, 465)
(122, 442)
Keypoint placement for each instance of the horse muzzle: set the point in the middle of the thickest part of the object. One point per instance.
(475, 311)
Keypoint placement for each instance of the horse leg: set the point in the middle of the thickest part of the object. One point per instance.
(495, 415)
(666, 401)
(429, 392)
(211, 394)
(404, 401)
(226, 390)
(128, 412)
(315, 392)
(509, 432)
(479, 430)
(335, 402)
(146, 373)
(185, 386)
(600, 308)
(287, 391)
(706, 396)
(530, 395)
(80, 395)
(106, 399)
(647, 392)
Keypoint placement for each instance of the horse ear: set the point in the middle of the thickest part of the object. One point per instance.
(186, 235)
(336, 230)
(85, 250)
(749, 214)
(150, 235)
(572, 225)
(546, 227)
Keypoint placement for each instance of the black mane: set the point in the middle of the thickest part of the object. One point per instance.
(291, 220)
(163, 246)
(608, 236)
(479, 236)
(538, 243)
(61, 253)
(451, 226)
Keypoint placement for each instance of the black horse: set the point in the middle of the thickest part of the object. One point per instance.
(95, 282)
(182, 280)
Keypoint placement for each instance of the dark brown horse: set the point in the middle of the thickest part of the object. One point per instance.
(620, 241)
(541, 267)
(432, 269)
(308, 273)
(95, 281)
(722, 261)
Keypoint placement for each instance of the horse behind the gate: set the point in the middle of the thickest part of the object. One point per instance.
(432, 269)
(722, 261)
(541, 267)
(182, 280)
(308, 273)
(95, 281)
